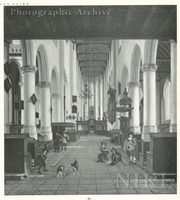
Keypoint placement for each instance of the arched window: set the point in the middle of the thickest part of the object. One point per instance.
(166, 94)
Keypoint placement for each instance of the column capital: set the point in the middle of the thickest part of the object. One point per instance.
(56, 96)
(29, 68)
(134, 84)
(149, 67)
(44, 84)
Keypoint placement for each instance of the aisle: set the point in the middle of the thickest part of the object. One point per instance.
(94, 177)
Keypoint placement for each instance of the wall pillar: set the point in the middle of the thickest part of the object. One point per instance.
(134, 95)
(96, 98)
(173, 125)
(45, 129)
(22, 98)
(101, 98)
(29, 107)
(56, 107)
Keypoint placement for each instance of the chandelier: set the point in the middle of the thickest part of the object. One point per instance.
(86, 93)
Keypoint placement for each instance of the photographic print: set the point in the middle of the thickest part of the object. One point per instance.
(90, 100)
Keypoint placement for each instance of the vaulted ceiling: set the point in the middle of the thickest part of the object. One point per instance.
(93, 56)
(125, 22)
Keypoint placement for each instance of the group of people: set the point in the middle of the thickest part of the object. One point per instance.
(103, 156)
(60, 142)
(129, 147)
(114, 138)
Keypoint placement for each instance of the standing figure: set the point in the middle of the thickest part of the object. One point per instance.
(104, 151)
(57, 142)
(65, 139)
(40, 161)
(114, 158)
(130, 146)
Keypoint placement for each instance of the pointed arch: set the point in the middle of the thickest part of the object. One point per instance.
(166, 95)
(135, 64)
(162, 110)
(54, 81)
(27, 55)
(150, 49)
(42, 62)
(124, 78)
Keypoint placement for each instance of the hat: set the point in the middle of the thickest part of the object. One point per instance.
(103, 143)
(131, 133)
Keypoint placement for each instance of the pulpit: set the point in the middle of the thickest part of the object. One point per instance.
(124, 128)
(125, 107)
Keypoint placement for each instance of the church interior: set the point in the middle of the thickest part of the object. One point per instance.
(102, 86)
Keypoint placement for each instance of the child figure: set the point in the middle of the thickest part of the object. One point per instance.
(130, 146)
(114, 159)
(40, 161)
(104, 151)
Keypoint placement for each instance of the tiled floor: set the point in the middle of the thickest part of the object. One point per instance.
(94, 177)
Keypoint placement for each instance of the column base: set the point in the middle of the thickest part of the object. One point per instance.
(31, 130)
(173, 128)
(45, 133)
(147, 130)
(135, 129)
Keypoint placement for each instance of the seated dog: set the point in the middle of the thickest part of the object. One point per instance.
(61, 171)
(75, 166)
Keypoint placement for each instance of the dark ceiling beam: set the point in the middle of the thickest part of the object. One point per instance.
(92, 61)
(163, 41)
(163, 59)
(83, 67)
(104, 54)
(108, 45)
(87, 75)
(162, 72)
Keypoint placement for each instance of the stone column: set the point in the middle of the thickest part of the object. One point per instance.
(29, 107)
(96, 98)
(81, 99)
(173, 91)
(101, 98)
(134, 95)
(105, 92)
(22, 98)
(149, 89)
(92, 91)
(45, 129)
(56, 107)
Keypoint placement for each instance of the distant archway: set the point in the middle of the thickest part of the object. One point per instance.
(124, 78)
(135, 64)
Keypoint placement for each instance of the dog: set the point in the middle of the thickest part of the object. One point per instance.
(61, 171)
(75, 166)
